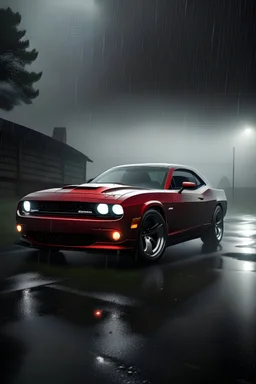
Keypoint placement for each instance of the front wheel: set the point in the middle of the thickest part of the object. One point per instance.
(152, 237)
(214, 234)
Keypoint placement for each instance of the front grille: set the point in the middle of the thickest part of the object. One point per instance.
(69, 208)
(66, 239)
(62, 206)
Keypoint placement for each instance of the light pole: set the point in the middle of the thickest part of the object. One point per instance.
(247, 131)
(233, 174)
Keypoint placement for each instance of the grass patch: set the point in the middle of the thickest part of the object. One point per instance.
(8, 232)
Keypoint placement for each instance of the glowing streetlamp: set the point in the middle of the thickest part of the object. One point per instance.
(247, 131)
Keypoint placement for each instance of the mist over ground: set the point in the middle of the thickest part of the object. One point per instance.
(199, 132)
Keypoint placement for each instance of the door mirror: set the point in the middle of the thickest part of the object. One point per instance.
(187, 185)
(88, 181)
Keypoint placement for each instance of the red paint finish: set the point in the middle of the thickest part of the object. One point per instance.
(151, 204)
(188, 184)
(169, 179)
(63, 230)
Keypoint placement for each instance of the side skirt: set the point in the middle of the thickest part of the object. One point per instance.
(182, 237)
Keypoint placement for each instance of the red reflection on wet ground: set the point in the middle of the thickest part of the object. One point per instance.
(98, 313)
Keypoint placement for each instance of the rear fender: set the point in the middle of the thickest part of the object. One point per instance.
(221, 199)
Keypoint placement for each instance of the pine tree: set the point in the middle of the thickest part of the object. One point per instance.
(16, 83)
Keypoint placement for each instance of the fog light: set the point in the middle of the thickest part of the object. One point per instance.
(116, 236)
(19, 228)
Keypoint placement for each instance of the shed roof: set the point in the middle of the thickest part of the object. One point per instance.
(19, 132)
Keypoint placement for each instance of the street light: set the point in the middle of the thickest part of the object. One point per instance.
(246, 131)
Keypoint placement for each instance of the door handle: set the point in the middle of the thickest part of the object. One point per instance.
(200, 197)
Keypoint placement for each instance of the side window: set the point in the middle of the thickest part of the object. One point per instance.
(198, 181)
(179, 176)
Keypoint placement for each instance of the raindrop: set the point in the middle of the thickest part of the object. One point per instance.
(213, 33)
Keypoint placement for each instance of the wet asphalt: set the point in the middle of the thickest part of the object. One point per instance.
(192, 319)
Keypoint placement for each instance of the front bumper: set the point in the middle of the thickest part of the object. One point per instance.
(76, 233)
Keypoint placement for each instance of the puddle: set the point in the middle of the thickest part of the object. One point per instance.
(26, 281)
(245, 262)
(241, 234)
(241, 256)
(122, 372)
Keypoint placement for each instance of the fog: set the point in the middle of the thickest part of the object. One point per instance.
(165, 130)
(93, 84)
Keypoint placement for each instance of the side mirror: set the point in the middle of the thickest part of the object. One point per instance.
(187, 185)
(88, 181)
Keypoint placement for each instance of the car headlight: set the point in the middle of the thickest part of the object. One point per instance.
(118, 209)
(26, 206)
(102, 209)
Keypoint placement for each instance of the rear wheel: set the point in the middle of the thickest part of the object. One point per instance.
(152, 237)
(214, 234)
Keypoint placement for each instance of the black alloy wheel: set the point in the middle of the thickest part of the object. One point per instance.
(152, 237)
(214, 234)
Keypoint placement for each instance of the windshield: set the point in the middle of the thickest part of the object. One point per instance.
(137, 176)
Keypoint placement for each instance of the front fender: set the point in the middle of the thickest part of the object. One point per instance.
(152, 204)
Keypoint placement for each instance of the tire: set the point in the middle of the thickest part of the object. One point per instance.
(152, 237)
(214, 234)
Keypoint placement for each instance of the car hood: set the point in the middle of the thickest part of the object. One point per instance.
(91, 192)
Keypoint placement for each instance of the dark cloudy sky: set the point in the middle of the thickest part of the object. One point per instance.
(117, 46)
(198, 45)
(111, 66)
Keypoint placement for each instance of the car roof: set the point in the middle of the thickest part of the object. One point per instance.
(166, 165)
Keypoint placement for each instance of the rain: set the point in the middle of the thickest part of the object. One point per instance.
(129, 82)
(176, 72)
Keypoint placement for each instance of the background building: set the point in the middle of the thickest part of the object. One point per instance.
(30, 160)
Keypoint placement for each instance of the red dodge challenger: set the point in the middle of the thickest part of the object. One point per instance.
(138, 208)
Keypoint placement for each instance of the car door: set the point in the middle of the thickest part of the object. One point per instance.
(184, 211)
(206, 199)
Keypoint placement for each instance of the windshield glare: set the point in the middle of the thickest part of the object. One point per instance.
(145, 177)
